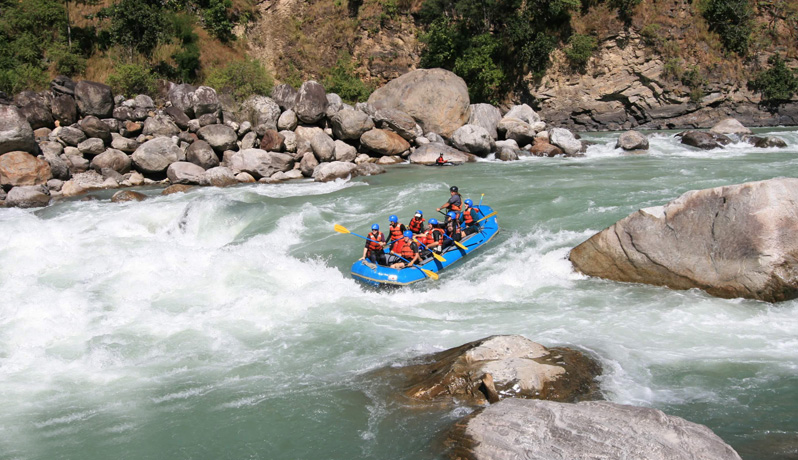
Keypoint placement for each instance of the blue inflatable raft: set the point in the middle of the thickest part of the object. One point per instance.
(379, 275)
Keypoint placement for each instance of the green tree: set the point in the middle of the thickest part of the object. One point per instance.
(136, 25)
(776, 84)
(732, 20)
(580, 49)
(131, 80)
(241, 79)
(217, 19)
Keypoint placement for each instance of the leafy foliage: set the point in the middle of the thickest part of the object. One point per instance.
(342, 80)
(217, 19)
(241, 79)
(580, 49)
(137, 25)
(732, 20)
(131, 80)
(776, 84)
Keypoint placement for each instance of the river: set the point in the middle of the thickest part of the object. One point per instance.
(224, 324)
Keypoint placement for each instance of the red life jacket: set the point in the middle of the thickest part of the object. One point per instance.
(371, 245)
(429, 238)
(396, 232)
(415, 225)
(407, 250)
(454, 207)
(468, 217)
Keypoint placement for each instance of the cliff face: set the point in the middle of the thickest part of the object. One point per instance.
(626, 86)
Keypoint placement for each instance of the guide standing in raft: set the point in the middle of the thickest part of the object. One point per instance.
(455, 202)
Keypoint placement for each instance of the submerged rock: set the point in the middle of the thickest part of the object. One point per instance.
(733, 241)
(704, 140)
(546, 430)
(632, 140)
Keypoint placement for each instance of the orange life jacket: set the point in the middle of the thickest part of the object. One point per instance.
(429, 237)
(396, 232)
(407, 250)
(376, 236)
(454, 207)
(415, 225)
(468, 217)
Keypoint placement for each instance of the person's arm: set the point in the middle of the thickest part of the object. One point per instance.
(415, 258)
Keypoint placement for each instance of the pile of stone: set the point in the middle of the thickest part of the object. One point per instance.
(79, 137)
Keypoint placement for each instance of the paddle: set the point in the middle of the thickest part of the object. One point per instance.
(342, 229)
(480, 200)
(457, 243)
(437, 257)
(489, 215)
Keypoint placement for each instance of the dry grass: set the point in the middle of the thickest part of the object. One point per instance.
(599, 21)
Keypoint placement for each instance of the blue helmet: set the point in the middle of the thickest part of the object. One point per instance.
(451, 215)
(375, 227)
(393, 218)
(469, 202)
(408, 234)
(433, 221)
(419, 212)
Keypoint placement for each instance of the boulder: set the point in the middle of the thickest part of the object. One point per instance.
(58, 166)
(333, 170)
(565, 140)
(210, 119)
(733, 241)
(201, 154)
(83, 182)
(63, 85)
(308, 164)
(272, 141)
(289, 141)
(123, 196)
(260, 163)
(180, 119)
(122, 143)
(205, 101)
(245, 178)
(219, 176)
(177, 188)
(92, 146)
(348, 124)
(516, 129)
(632, 140)
(428, 155)
(261, 110)
(499, 367)
(131, 129)
(311, 102)
(285, 96)
(19, 168)
(160, 126)
(38, 114)
(112, 124)
(142, 101)
(704, 140)
(183, 172)
(323, 146)
(486, 116)
(155, 155)
(729, 126)
(28, 196)
(219, 137)
(473, 139)
(70, 135)
(287, 121)
(64, 109)
(368, 169)
(334, 104)
(16, 133)
(125, 113)
(437, 99)
(524, 113)
(389, 160)
(383, 142)
(249, 141)
(507, 154)
(765, 142)
(181, 98)
(75, 162)
(112, 159)
(94, 98)
(344, 151)
(541, 148)
(398, 122)
(518, 428)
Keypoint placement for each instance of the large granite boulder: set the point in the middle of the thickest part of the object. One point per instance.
(704, 140)
(516, 129)
(94, 127)
(69, 135)
(124, 144)
(83, 182)
(333, 170)
(38, 114)
(398, 122)
(155, 155)
(486, 116)
(428, 155)
(730, 126)
(473, 139)
(179, 118)
(632, 140)
(344, 151)
(160, 126)
(112, 159)
(183, 172)
(499, 367)
(261, 110)
(765, 142)
(15, 131)
(383, 142)
(219, 176)
(219, 137)
(92, 146)
(201, 154)
(308, 164)
(285, 96)
(437, 99)
(94, 98)
(204, 100)
(546, 430)
(311, 102)
(565, 140)
(733, 241)
(21, 168)
(181, 97)
(350, 124)
(323, 146)
(259, 163)
(28, 196)
(64, 109)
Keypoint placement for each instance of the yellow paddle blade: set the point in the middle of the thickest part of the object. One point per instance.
(438, 257)
(430, 274)
(460, 245)
(341, 229)
(486, 217)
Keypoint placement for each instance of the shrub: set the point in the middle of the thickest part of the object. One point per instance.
(137, 25)
(25, 77)
(651, 35)
(131, 80)
(580, 49)
(217, 19)
(478, 67)
(776, 84)
(732, 20)
(342, 80)
(241, 79)
(67, 61)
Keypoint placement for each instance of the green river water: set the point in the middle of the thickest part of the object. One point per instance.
(224, 324)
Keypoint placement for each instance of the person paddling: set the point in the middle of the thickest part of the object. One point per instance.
(455, 200)
(416, 224)
(433, 238)
(468, 217)
(395, 229)
(452, 229)
(374, 246)
(407, 249)
(440, 161)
